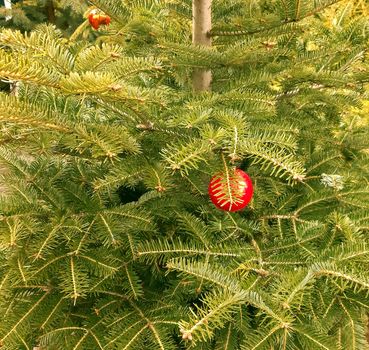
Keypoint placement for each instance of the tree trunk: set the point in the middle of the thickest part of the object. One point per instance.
(14, 86)
(8, 6)
(200, 36)
(50, 11)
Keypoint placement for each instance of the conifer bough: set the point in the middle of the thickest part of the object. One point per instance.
(108, 239)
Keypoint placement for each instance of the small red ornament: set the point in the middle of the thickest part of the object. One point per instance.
(231, 192)
(97, 19)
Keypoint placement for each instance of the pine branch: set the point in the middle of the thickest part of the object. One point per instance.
(42, 45)
(13, 329)
(218, 308)
(20, 68)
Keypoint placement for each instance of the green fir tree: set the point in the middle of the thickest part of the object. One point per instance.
(108, 239)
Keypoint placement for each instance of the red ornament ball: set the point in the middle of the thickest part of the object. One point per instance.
(97, 19)
(231, 192)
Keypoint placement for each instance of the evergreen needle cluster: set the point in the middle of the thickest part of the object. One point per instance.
(108, 239)
(26, 14)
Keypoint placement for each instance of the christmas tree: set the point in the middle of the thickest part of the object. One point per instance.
(108, 237)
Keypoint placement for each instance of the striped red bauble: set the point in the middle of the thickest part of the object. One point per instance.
(231, 190)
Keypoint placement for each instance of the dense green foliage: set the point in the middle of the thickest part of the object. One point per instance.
(108, 239)
(26, 14)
